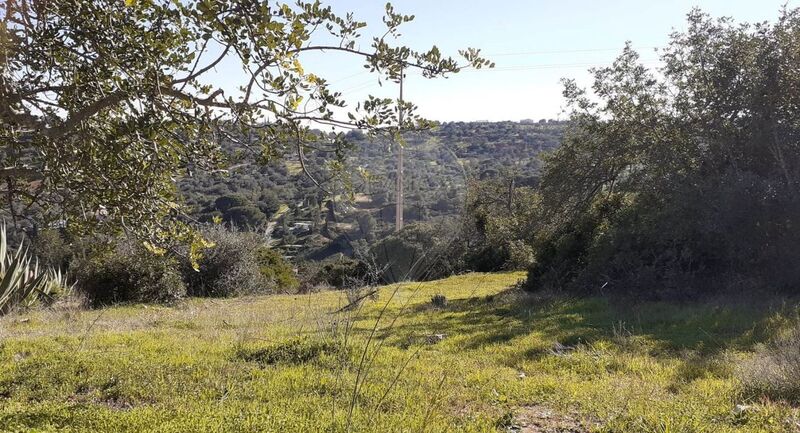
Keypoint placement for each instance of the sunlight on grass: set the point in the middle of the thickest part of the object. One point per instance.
(285, 363)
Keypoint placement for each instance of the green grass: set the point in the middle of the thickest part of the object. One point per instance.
(286, 364)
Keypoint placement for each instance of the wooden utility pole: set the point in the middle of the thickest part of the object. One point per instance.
(398, 218)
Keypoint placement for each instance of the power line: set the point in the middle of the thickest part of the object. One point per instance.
(585, 50)
(552, 66)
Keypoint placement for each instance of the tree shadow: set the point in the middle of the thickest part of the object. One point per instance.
(704, 328)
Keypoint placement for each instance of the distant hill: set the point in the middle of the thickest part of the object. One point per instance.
(306, 221)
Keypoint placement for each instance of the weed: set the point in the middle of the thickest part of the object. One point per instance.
(774, 371)
(439, 301)
(295, 351)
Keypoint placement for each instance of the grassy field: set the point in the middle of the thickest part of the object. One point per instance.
(293, 364)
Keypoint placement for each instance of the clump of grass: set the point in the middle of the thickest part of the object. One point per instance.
(439, 301)
(774, 371)
(294, 351)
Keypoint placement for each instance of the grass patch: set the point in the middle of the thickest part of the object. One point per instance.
(298, 350)
(286, 363)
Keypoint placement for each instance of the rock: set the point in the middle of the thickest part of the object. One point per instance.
(435, 338)
(560, 349)
(741, 409)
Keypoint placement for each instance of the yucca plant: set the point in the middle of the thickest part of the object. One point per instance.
(22, 282)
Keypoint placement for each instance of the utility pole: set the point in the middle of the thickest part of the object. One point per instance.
(398, 218)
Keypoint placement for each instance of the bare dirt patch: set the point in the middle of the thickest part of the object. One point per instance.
(541, 419)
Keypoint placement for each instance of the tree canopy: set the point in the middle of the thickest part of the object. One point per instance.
(682, 178)
(106, 103)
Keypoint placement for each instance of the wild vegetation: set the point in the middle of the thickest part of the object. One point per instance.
(359, 209)
(485, 361)
(179, 258)
(679, 185)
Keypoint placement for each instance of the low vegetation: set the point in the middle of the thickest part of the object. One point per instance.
(482, 362)
(232, 290)
(23, 282)
(775, 369)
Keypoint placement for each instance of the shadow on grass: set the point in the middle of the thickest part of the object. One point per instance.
(705, 328)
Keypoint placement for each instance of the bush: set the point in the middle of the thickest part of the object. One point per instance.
(421, 251)
(127, 272)
(231, 267)
(51, 248)
(245, 216)
(341, 273)
(275, 268)
(439, 301)
(774, 371)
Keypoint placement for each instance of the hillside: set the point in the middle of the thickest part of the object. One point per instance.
(492, 359)
(438, 164)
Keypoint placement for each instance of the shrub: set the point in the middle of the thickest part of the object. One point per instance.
(245, 216)
(226, 202)
(127, 272)
(439, 301)
(229, 268)
(22, 282)
(51, 248)
(275, 268)
(341, 273)
(421, 251)
(774, 371)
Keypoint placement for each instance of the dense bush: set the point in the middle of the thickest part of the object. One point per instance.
(51, 248)
(239, 263)
(421, 251)
(676, 184)
(276, 269)
(497, 223)
(127, 272)
(340, 272)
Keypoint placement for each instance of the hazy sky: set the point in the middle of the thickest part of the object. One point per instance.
(534, 43)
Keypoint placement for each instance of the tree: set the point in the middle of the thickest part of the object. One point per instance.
(669, 182)
(228, 201)
(106, 102)
(366, 225)
(245, 216)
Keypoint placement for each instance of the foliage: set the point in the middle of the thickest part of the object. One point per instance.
(52, 248)
(499, 217)
(684, 181)
(125, 271)
(23, 283)
(446, 159)
(439, 300)
(419, 252)
(340, 273)
(107, 102)
(232, 266)
(276, 269)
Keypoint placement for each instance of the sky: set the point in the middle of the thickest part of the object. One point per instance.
(534, 43)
